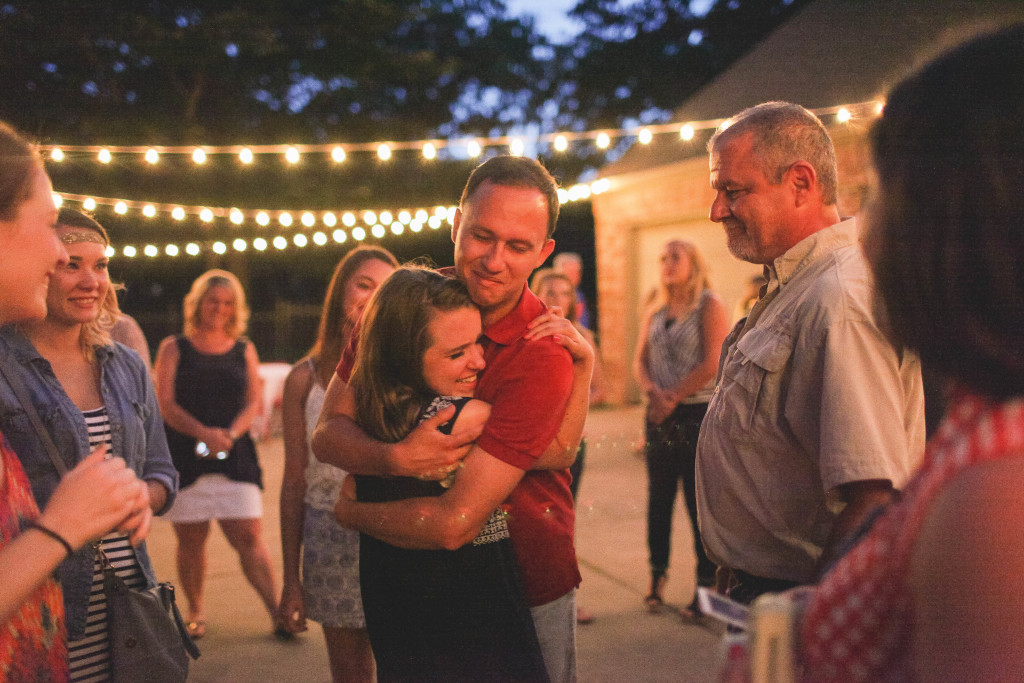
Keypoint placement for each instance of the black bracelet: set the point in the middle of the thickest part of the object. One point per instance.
(52, 534)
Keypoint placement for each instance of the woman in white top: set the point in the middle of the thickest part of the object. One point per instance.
(327, 589)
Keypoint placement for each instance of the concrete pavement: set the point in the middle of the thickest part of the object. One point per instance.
(623, 643)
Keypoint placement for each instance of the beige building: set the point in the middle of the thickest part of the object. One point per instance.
(832, 53)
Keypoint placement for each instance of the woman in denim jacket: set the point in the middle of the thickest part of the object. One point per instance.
(88, 391)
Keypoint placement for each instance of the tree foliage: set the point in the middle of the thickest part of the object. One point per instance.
(223, 72)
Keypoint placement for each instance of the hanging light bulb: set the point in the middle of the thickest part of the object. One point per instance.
(104, 156)
(245, 156)
(152, 156)
(338, 155)
(561, 143)
(57, 154)
(383, 152)
(199, 156)
(603, 140)
(429, 151)
(292, 155)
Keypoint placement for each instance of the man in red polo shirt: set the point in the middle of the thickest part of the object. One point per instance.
(538, 393)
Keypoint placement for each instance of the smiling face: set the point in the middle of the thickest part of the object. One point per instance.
(31, 254)
(454, 359)
(361, 286)
(79, 287)
(500, 237)
(217, 308)
(754, 212)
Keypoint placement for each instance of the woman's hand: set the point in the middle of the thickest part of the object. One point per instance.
(291, 611)
(138, 523)
(216, 439)
(429, 454)
(660, 405)
(95, 497)
(552, 324)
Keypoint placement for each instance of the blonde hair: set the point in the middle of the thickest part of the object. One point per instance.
(695, 284)
(201, 287)
(96, 332)
(546, 275)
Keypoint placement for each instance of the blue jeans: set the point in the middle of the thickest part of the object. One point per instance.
(555, 623)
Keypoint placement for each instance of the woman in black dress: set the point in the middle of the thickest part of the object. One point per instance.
(208, 386)
(433, 614)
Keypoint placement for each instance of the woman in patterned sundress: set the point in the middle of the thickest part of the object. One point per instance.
(89, 392)
(326, 589)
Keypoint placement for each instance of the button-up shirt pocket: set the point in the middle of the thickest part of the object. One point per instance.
(756, 366)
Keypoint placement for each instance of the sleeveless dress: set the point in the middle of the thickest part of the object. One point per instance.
(330, 552)
(33, 641)
(445, 615)
(212, 388)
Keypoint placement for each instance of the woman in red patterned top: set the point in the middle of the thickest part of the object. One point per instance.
(935, 591)
(96, 496)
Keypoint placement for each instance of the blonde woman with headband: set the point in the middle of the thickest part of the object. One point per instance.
(90, 392)
(208, 385)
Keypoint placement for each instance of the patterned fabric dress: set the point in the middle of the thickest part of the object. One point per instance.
(445, 615)
(859, 624)
(33, 642)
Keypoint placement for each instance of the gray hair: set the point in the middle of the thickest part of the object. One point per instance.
(785, 133)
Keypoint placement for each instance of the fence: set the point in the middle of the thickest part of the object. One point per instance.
(283, 333)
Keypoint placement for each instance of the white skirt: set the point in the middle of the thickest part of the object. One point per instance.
(214, 496)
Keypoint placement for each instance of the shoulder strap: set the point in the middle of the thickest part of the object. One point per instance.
(26, 403)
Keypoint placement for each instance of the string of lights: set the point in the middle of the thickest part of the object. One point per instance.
(471, 147)
(355, 224)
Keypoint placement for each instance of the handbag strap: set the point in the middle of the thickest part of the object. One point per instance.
(18, 387)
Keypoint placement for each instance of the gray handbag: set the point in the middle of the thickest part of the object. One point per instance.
(148, 638)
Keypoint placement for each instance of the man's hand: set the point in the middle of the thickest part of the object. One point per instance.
(426, 453)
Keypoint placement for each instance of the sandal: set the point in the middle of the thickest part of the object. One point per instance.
(196, 629)
(653, 600)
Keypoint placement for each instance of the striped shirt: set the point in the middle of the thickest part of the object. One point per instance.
(675, 347)
(89, 657)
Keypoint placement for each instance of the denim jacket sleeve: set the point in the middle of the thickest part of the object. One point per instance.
(137, 432)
